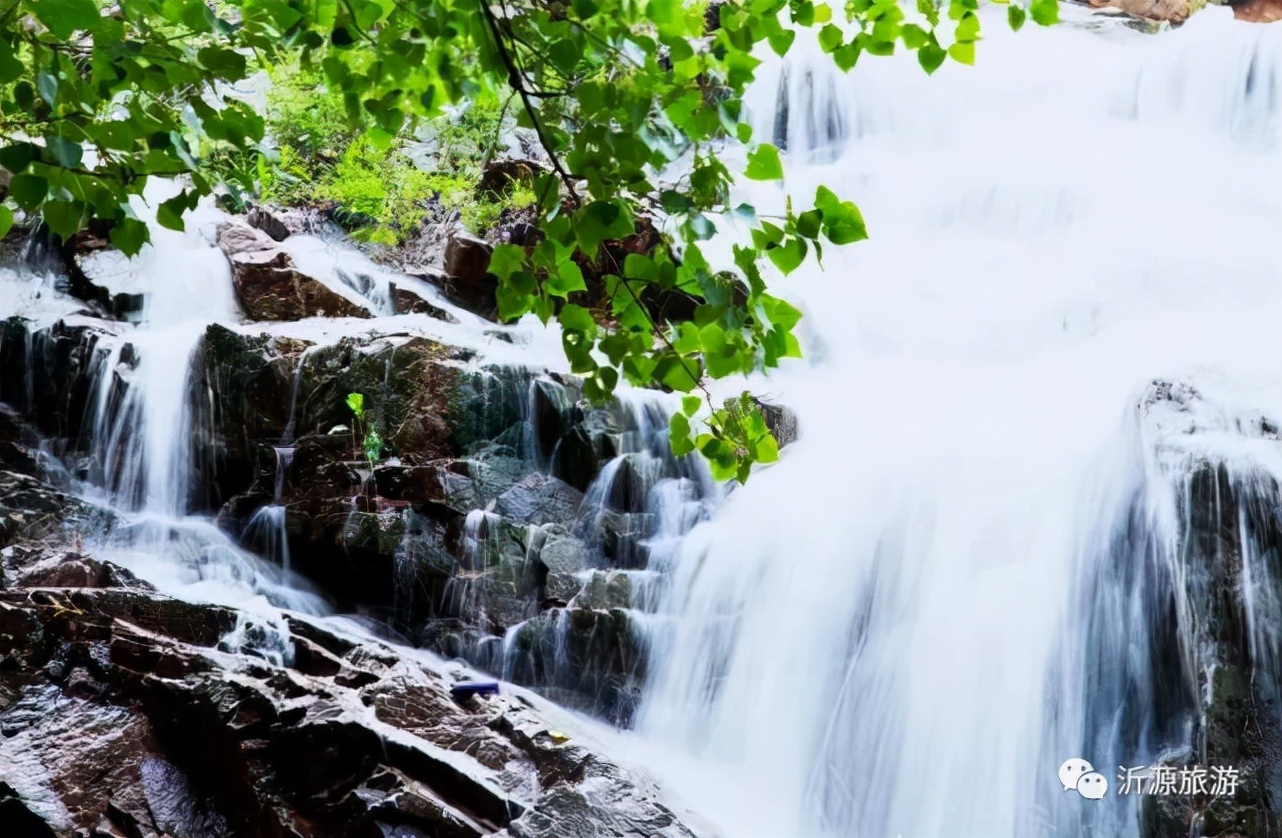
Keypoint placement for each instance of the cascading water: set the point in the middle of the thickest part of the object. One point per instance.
(994, 547)
(976, 562)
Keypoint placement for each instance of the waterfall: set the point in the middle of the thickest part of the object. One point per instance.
(982, 557)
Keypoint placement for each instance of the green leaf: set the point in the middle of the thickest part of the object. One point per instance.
(963, 52)
(638, 266)
(63, 17)
(513, 302)
(764, 163)
(17, 157)
(6, 220)
(690, 405)
(67, 153)
(170, 213)
(506, 260)
(675, 202)
(1015, 16)
(63, 217)
(679, 434)
(1044, 12)
(227, 63)
(602, 221)
(931, 57)
(842, 221)
(967, 27)
(567, 280)
(10, 67)
(788, 256)
(129, 234)
(831, 37)
(372, 446)
(914, 36)
(780, 312)
(781, 40)
(28, 191)
(47, 84)
(847, 56)
(356, 404)
(808, 223)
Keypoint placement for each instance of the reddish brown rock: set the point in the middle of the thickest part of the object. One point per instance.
(269, 287)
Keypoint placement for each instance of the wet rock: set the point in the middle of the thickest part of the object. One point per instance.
(422, 397)
(62, 355)
(466, 280)
(467, 257)
(267, 285)
(581, 657)
(604, 591)
(1166, 11)
(539, 499)
(118, 719)
(562, 556)
(31, 510)
(406, 301)
(575, 459)
(781, 421)
(261, 219)
(411, 483)
(243, 390)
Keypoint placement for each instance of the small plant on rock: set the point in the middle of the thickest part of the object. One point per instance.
(370, 441)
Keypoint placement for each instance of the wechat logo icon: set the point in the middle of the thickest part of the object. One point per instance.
(1080, 776)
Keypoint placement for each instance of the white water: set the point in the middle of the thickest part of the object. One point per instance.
(893, 631)
(887, 633)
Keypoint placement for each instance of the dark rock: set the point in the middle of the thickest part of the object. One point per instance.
(539, 499)
(467, 257)
(267, 285)
(781, 421)
(410, 483)
(575, 459)
(118, 721)
(466, 280)
(405, 301)
(261, 219)
(500, 176)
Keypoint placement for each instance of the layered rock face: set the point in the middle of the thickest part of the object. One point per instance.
(500, 500)
(502, 520)
(124, 712)
(1181, 650)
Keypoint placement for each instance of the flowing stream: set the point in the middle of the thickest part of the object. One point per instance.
(974, 562)
(967, 569)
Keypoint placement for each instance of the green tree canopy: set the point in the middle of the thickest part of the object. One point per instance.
(96, 98)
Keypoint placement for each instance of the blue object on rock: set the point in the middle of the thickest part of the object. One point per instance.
(464, 689)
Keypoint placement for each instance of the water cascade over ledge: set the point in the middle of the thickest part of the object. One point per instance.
(1035, 511)
(1039, 433)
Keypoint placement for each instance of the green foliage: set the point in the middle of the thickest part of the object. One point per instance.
(97, 99)
(323, 158)
(370, 440)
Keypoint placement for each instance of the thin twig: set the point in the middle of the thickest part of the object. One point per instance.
(514, 79)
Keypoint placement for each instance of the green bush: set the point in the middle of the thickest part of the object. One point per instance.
(322, 160)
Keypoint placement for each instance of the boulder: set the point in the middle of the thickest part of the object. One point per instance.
(1257, 11)
(261, 219)
(466, 280)
(119, 719)
(501, 175)
(1165, 11)
(540, 499)
(269, 287)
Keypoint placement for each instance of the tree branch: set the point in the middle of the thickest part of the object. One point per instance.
(514, 79)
